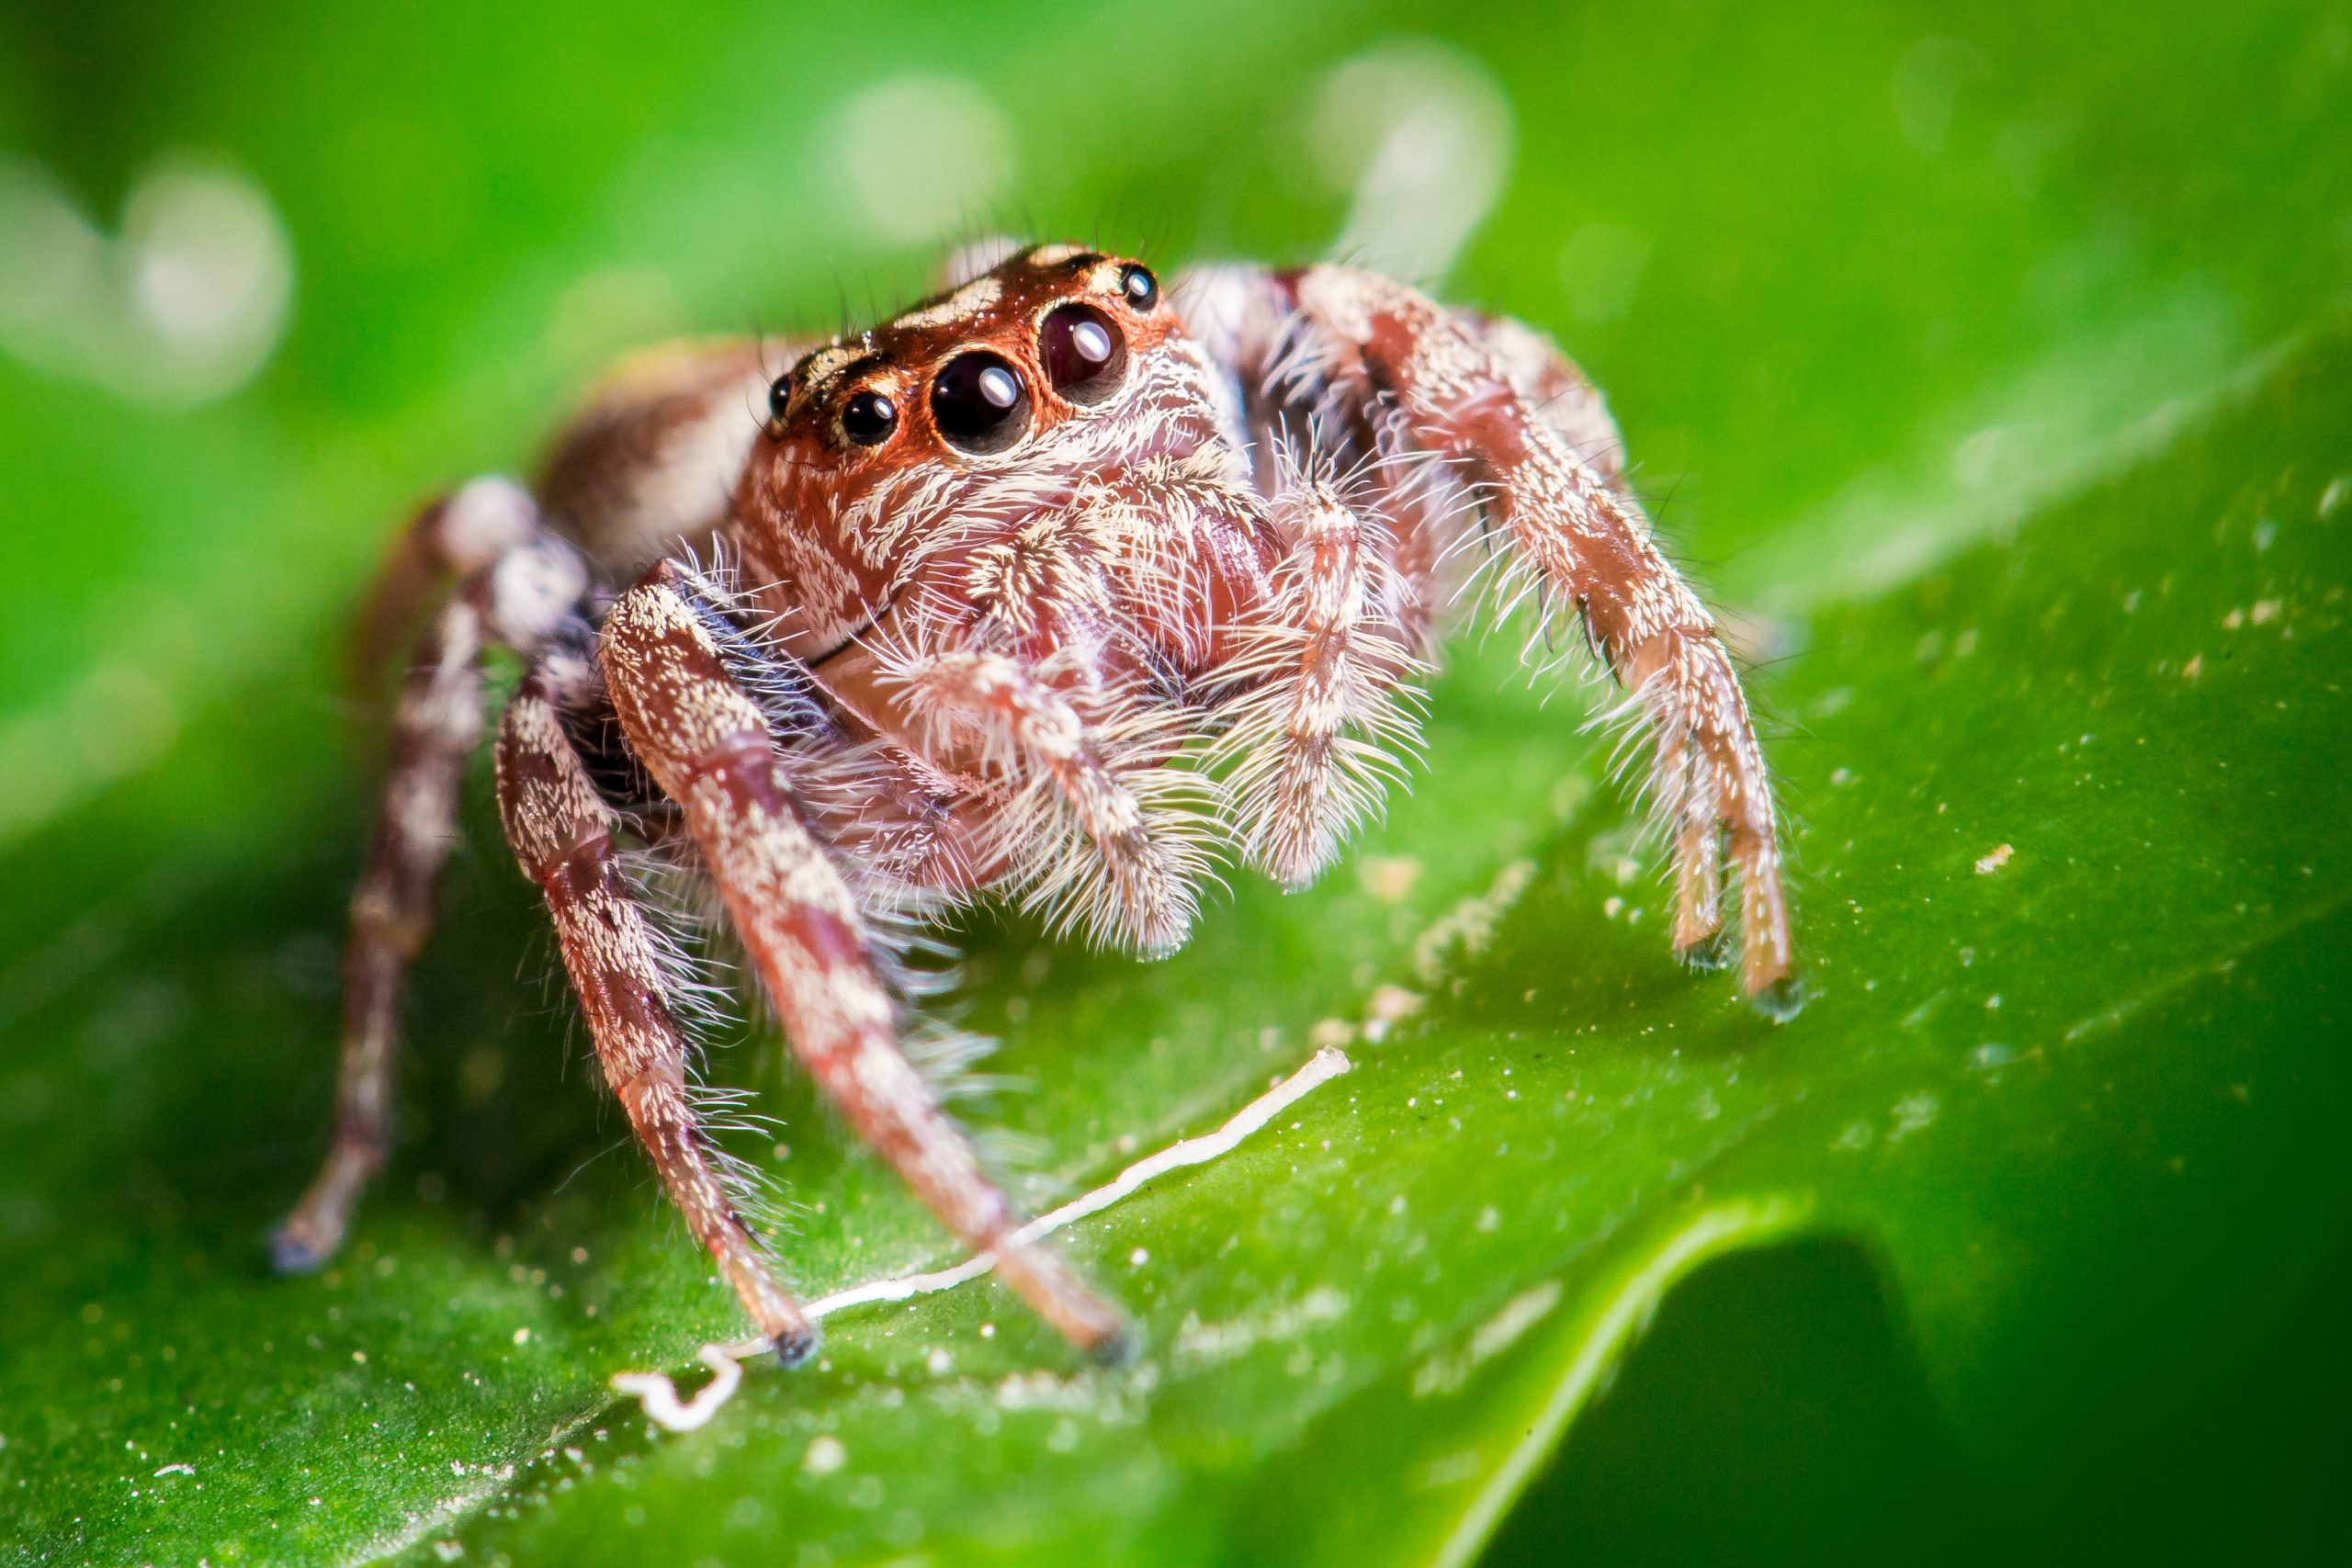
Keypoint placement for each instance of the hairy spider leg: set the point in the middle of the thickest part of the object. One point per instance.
(1316, 674)
(1047, 658)
(517, 585)
(1339, 360)
(1136, 886)
(450, 537)
(1589, 545)
(561, 831)
(707, 744)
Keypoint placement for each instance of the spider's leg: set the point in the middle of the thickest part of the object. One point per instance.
(1132, 878)
(1316, 728)
(1556, 391)
(1417, 377)
(523, 585)
(708, 745)
(1058, 665)
(450, 538)
(561, 831)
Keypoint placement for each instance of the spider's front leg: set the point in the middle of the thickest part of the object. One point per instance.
(517, 586)
(709, 746)
(1314, 678)
(1419, 377)
(561, 831)
(1089, 838)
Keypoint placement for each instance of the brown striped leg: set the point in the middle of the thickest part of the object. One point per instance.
(452, 536)
(1453, 389)
(561, 831)
(709, 746)
(531, 585)
(1316, 725)
(1556, 391)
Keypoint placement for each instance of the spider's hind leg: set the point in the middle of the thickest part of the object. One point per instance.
(519, 586)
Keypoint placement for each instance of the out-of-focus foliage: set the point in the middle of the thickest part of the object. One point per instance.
(1988, 362)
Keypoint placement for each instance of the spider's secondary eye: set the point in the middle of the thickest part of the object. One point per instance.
(1084, 354)
(779, 394)
(868, 418)
(979, 403)
(1141, 288)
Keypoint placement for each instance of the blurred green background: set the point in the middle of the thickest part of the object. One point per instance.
(1920, 318)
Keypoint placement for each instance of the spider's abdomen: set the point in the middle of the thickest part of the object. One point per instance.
(651, 457)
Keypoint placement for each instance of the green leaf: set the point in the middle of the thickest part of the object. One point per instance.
(2051, 555)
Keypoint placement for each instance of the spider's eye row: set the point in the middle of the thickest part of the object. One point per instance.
(979, 403)
(869, 417)
(779, 395)
(1141, 288)
(1084, 354)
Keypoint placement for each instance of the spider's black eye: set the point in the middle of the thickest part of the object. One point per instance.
(1141, 288)
(1085, 355)
(779, 394)
(869, 417)
(979, 403)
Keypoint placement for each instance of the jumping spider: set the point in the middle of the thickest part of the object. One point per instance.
(1051, 586)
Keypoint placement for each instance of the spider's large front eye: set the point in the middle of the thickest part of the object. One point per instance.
(869, 417)
(1085, 355)
(979, 403)
(779, 395)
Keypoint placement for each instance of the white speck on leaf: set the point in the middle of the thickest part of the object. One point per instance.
(1914, 1113)
(1523, 1312)
(1469, 926)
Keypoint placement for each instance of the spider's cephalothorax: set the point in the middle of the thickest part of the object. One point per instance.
(1059, 585)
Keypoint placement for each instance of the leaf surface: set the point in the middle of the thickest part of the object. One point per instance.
(2049, 555)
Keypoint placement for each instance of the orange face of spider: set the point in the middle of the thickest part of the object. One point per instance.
(1042, 366)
